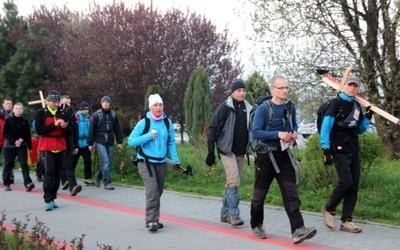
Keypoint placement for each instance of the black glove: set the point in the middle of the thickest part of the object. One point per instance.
(176, 167)
(327, 157)
(210, 160)
(368, 113)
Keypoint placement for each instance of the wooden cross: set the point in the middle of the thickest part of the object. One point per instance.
(42, 100)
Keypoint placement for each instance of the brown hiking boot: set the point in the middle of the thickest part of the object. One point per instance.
(236, 222)
(328, 219)
(349, 227)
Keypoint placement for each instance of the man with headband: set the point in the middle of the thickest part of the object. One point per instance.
(52, 125)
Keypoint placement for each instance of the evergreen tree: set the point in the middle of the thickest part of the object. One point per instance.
(256, 86)
(197, 104)
(21, 75)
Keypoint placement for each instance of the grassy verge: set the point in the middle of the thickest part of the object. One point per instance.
(377, 200)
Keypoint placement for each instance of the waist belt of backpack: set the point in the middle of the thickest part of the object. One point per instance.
(264, 148)
(269, 150)
(147, 158)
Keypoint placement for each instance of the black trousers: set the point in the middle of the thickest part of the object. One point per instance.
(53, 163)
(348, 169)
(68, 170)
(87, 161)
(9, 157)
(265, 174)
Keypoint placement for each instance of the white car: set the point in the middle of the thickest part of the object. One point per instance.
(307, 127)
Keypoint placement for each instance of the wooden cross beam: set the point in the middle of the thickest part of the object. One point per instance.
(334, 83)
(42, 100)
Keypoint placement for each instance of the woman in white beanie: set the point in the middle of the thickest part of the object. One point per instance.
(154, 138)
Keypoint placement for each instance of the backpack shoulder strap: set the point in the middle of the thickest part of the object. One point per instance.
(270, 107)
(146, 126)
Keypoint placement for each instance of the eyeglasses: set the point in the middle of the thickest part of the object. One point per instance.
(281, 88)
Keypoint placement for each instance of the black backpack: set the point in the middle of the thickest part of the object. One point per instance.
(321, 113)
(267, 99)
(324, 107)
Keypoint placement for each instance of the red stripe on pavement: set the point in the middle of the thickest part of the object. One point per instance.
(185, 222)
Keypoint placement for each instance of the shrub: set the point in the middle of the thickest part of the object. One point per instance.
(313, 169)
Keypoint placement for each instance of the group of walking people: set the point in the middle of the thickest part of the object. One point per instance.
(228, 132)
(64, 136)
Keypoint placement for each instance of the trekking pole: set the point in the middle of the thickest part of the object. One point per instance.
(185, 172)
(121, 164)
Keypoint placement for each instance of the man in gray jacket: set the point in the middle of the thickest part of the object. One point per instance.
(228, 129)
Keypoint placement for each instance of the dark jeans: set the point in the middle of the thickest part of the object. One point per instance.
(12, 171)
(53, 163)
(87, 161)
(9, 158)
(265, 174)
(68, 170)
(348, 170)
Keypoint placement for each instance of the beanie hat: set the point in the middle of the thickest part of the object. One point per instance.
(53, 96)
(238, 84)
(84, 106)
(153, 99)
(353, 79)
(106, 98)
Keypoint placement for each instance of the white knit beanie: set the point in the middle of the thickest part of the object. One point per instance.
(153, 99)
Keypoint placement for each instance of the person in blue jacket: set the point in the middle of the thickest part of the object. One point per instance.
(83, 119)
(153, 146)
(341, 125)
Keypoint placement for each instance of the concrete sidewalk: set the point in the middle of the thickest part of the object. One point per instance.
(116, 218)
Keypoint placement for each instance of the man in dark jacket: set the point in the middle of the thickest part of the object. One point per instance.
(68, 178)
(229, 131)
(103, 127)
(52, 126)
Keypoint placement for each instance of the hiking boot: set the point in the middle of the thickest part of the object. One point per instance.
(65, 185)
(54, 204)
(226, 219)
(328, 219)
(349, 227)
(159, 225)
(7, 188)
(29, 187)
(303, 233)
(48, 207)
(98, 183)
(259, 232)
(237, 222)
(153, 226)
(109, 187)
(89, 182)
(75, 190)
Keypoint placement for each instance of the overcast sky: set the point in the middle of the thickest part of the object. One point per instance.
(221, 12)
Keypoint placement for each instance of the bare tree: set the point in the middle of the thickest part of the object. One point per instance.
(300, 35)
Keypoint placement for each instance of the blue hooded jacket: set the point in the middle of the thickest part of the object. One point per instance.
(158, 148)
(83, 122)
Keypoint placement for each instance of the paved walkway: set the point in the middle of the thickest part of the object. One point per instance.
(116, 218)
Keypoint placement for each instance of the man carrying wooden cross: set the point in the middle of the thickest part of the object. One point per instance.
(342, 123)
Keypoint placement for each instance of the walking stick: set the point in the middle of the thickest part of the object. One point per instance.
(122, 164)
(185, 172)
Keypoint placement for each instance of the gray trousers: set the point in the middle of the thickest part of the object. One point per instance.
(154, 188)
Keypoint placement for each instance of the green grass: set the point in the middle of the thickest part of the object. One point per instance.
(378, 199)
